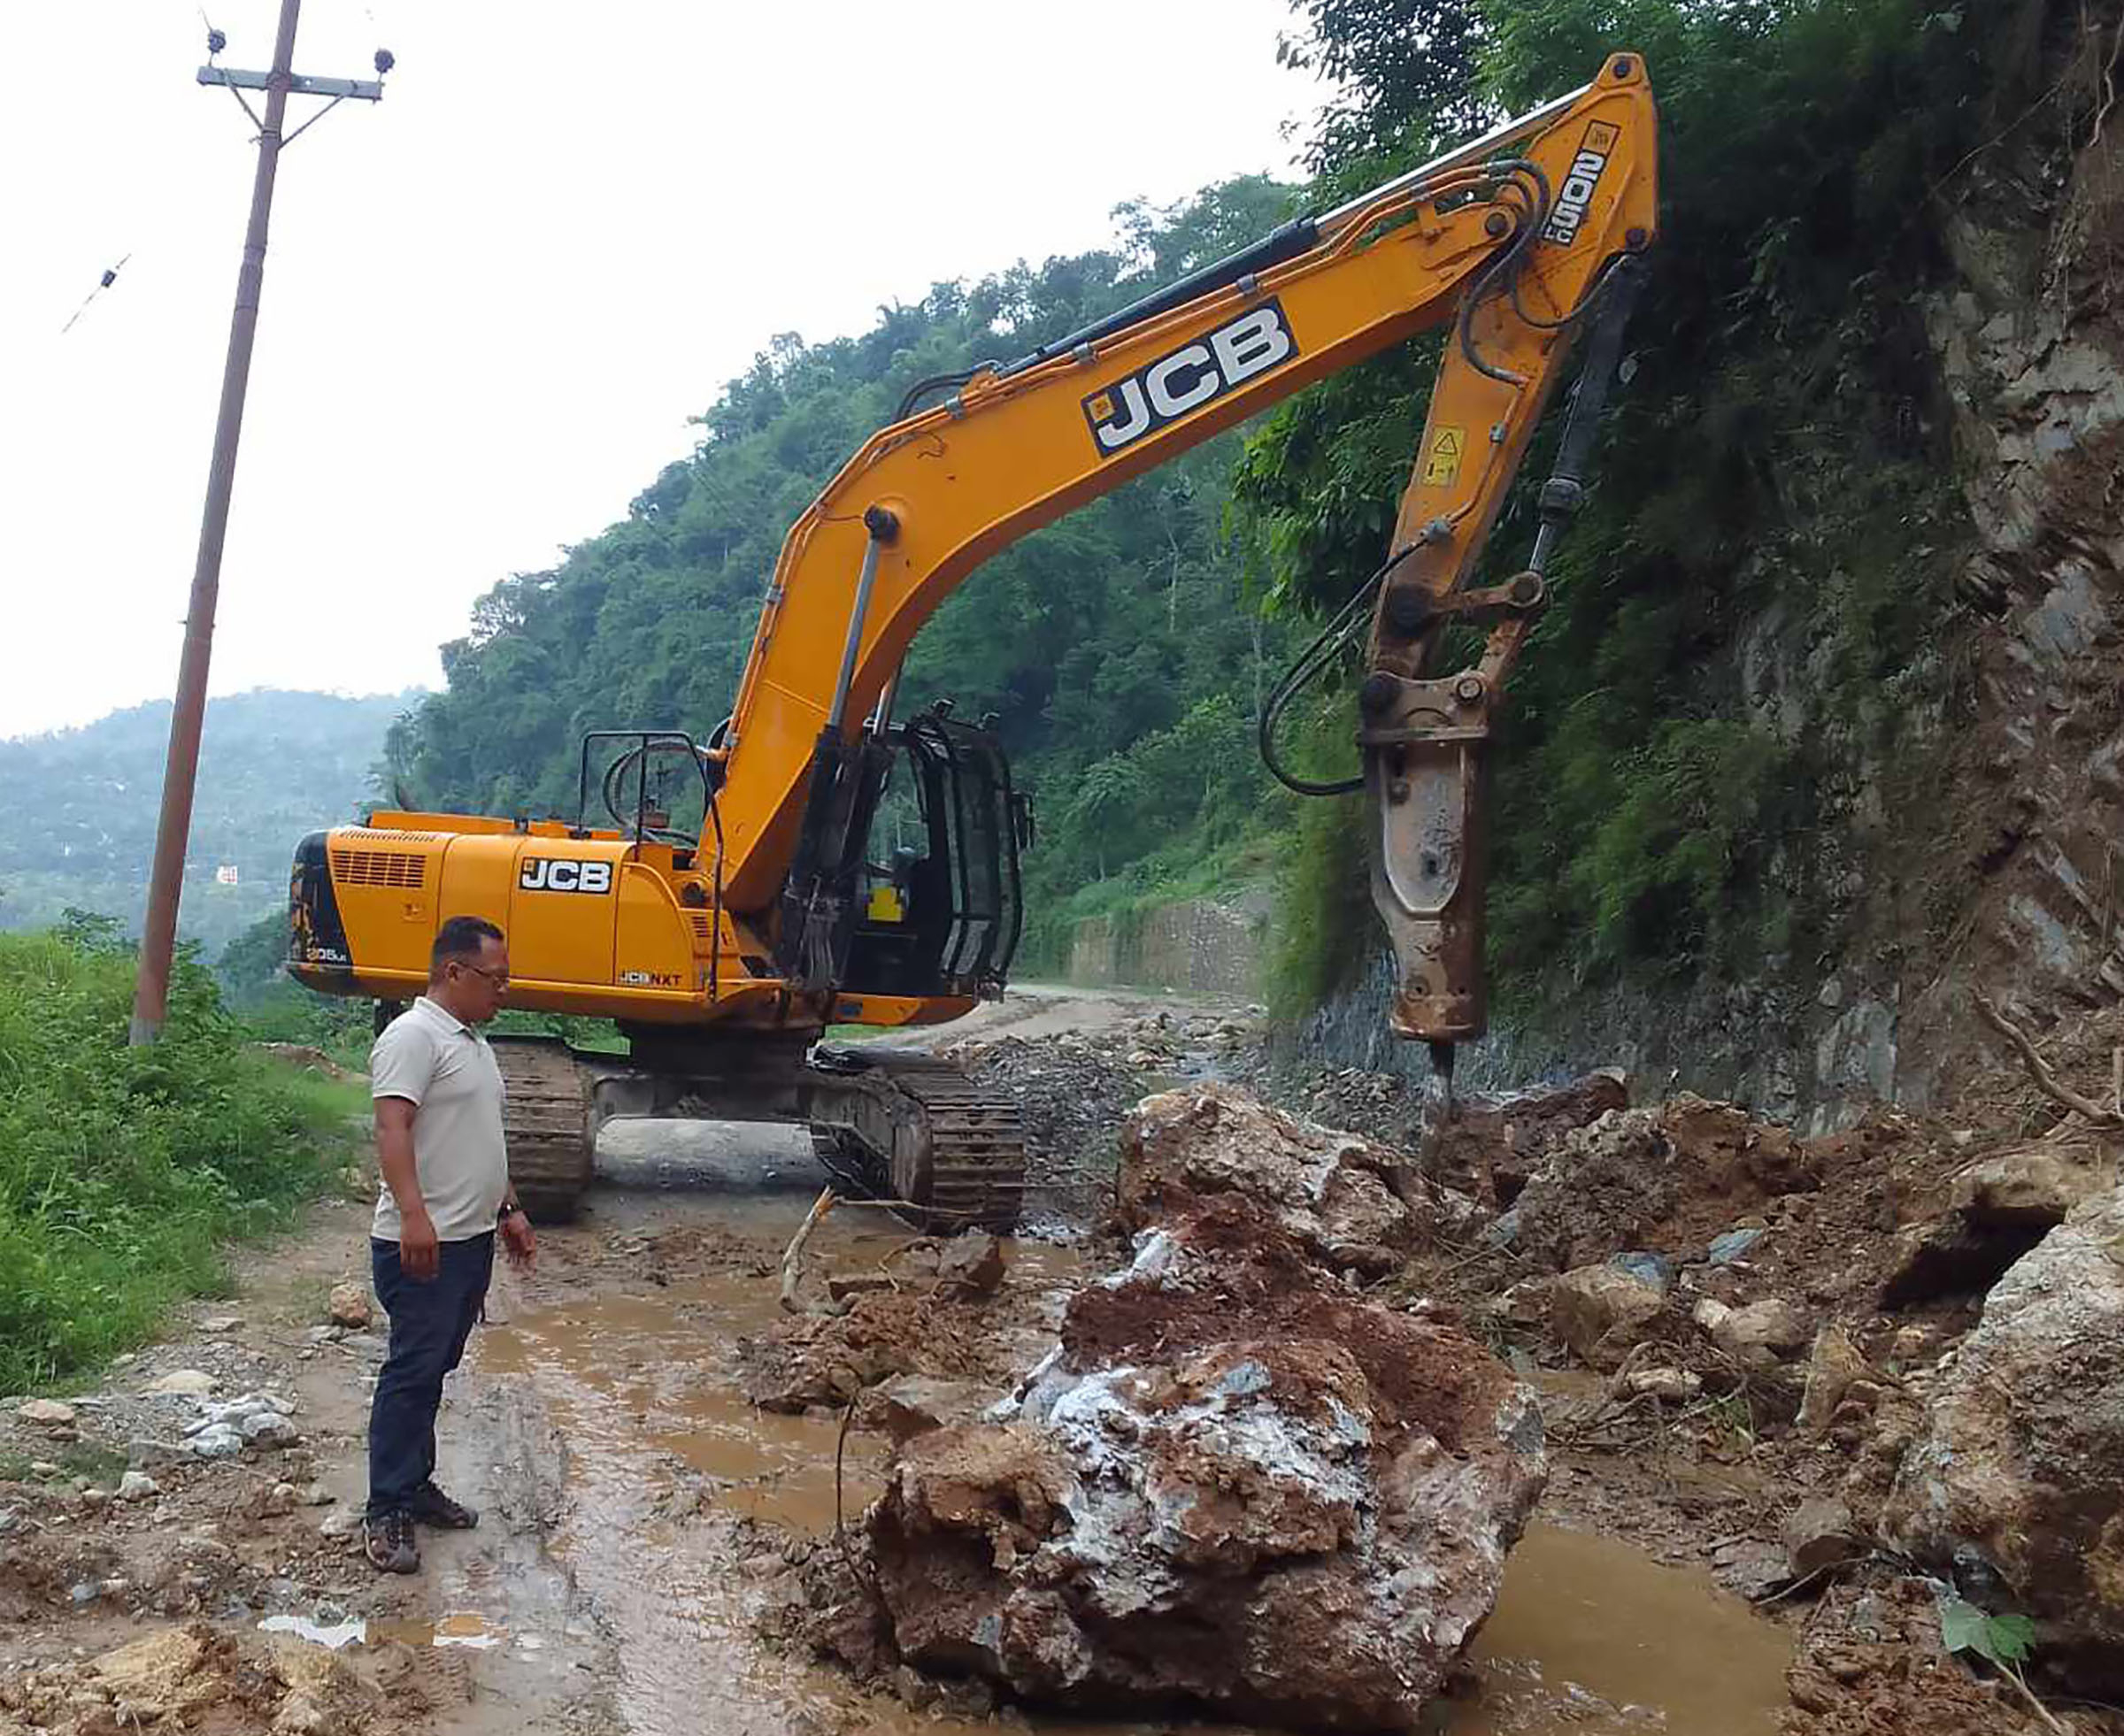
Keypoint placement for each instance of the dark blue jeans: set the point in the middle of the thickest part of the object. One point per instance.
(430, 1324)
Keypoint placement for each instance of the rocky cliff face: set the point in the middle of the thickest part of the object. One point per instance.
(2031, 348)
(1984, 848)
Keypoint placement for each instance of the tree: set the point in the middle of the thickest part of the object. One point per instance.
(254, 959)
(1404, 73)
(1775, 431)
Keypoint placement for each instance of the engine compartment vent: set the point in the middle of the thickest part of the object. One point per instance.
(394, 868)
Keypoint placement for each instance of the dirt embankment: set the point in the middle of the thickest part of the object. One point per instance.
(1743, 1338)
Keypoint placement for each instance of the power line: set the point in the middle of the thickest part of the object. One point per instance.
(109, 277)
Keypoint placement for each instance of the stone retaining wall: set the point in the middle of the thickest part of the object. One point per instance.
(1210, 946)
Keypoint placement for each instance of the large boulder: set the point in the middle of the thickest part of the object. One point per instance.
(1349, 1201)
(2031, 1186)
(1602, 1312)
(1834, 1366)
(2015, 1482)
(1819, 1534)
(1762, 1334)
(826, 1359)
(1235, 1485)
(916, 1403)
(1997, 1209)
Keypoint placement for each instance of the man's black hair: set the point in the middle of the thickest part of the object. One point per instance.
(460, 937)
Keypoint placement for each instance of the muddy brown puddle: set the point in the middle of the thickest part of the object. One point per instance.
(1590, 1637)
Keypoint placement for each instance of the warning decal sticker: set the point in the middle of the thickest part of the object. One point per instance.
(1441, 463)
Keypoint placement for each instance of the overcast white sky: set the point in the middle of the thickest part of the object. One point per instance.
(493, 300)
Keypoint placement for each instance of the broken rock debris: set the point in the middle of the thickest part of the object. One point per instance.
(349, 1307)
(1235, 1484)
(1600, 1312)
(1350, 1204)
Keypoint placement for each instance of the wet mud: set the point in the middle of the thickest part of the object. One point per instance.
(680, 1496)
(1593, 1636)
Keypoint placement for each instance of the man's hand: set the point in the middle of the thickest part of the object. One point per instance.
(419, 1253)
(519, 1242)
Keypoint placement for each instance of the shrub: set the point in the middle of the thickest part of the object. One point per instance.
(125, 1172)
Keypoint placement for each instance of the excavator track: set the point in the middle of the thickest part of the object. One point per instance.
(976, 1148)
(899, 1125)
(546, 1121)
(960, 1148)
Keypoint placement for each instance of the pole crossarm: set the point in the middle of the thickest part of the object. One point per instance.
(299, 84)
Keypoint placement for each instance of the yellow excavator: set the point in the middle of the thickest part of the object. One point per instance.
(725, 929)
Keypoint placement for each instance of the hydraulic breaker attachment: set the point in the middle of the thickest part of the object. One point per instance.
(1427, 771)
(1426, 738)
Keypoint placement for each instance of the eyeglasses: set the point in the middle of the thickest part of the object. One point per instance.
(499, 979)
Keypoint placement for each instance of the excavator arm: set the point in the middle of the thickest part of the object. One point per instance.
(1513, 239)
(1425, 733)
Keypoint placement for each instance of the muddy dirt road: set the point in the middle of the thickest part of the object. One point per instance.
(640, 1512)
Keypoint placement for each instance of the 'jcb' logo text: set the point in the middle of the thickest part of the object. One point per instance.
(540, 874)
(1575, 197)
(1164, 391)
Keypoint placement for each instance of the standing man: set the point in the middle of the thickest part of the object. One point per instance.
(438, 1096)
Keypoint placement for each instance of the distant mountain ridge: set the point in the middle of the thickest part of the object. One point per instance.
(80, 805)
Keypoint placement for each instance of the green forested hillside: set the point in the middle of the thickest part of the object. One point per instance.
(1776, 444)
(82, 806)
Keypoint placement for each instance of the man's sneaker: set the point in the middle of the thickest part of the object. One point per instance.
(386, 1538)
(432, 1507)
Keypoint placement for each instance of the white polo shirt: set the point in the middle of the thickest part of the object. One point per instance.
(446, 1070)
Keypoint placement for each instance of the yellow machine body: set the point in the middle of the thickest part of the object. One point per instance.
(597, 925)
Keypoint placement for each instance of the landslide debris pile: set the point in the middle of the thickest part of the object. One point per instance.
(1073, 1089)
(1862, 1375)
(1907, 1331)
(936, 1311)
(1236, 1483)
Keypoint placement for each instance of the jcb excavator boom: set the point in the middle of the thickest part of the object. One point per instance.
(1511, 238)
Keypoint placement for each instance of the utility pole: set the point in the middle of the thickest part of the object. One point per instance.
(180, 768)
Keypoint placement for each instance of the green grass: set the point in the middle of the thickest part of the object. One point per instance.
(597, 1036)
(103, 1465)
(1325, 929)
(126, 1174)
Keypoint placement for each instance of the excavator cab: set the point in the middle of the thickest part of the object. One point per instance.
(943, 916)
